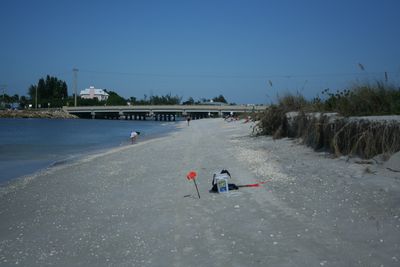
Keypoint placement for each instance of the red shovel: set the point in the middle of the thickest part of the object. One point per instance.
(254, 185)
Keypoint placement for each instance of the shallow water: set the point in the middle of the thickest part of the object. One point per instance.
(28, 145)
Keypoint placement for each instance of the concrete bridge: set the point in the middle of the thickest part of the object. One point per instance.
(161, 112)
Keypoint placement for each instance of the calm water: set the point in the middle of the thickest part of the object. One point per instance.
(28, 145)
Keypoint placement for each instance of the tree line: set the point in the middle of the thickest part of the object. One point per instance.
(116, 100)
(51, 92)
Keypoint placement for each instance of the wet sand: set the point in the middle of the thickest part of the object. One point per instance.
(134, 207)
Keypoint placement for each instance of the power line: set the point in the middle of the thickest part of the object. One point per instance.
(239, 76)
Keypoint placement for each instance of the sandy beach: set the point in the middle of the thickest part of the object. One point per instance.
(133, 206)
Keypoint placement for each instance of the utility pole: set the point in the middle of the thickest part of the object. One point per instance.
(75, 71)
(36, 96)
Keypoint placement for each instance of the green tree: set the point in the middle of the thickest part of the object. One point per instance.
(114, 99)
(165, 100)
(86, 102)
(190, 101)
(49, 90)
(23, 101)
(132, 100)
(220, 98)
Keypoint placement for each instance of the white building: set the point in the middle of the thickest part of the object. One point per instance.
(91, 92)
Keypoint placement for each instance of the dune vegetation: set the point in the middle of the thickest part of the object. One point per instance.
(348, 122)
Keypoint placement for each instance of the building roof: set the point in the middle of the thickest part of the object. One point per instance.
(96, 91)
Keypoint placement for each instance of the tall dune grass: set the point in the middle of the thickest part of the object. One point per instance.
(338, 134)
(363, 100)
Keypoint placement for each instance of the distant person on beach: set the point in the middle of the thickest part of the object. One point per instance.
(188, 120)
(134, 136)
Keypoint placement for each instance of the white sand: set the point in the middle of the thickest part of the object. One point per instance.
(129, 207)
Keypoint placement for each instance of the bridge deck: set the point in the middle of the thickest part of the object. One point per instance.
(151, 109)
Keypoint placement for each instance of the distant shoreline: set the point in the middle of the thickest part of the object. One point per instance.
(39, 114)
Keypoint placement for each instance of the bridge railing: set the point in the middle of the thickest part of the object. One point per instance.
(166, 108)
(160, 112)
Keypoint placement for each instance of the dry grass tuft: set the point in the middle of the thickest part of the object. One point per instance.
(338, 135)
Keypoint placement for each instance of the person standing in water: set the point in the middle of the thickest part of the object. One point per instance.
(133, 136)
(188, 120)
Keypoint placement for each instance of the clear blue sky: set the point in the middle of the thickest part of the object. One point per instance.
(200, 48)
